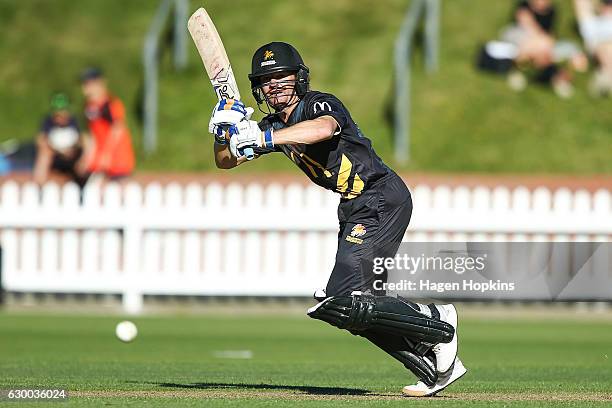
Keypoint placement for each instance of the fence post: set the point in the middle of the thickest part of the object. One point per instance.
(133, 236)
(132, 297)
(403, 45)
(432, 34)
(402, 51)
(180, 34)
(150, 55)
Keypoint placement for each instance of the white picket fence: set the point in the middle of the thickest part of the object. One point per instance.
(236, 240)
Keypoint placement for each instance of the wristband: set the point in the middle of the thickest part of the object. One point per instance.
(268, 139)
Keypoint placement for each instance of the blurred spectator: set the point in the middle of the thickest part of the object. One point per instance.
(17, 156)
(58, 143)
(532, 33)
(595, 26)
(109, 152)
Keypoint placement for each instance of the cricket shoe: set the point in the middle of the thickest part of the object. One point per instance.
(446, 352)
(421, 389)
(320, 295)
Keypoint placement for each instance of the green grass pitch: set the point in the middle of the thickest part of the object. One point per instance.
(296, 361)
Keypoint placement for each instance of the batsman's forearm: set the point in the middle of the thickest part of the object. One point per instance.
(307, 132)
(224, 158)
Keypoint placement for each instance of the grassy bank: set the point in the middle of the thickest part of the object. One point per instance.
(462, 120)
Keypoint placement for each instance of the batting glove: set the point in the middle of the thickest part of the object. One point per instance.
(247, 134)
(227, 112)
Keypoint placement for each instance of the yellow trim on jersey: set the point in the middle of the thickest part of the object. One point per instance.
(344, 174)
(357, 187)
(314, 163)
(357, 184)
(312, 170)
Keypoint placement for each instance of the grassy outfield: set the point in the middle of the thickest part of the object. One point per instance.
(462, 120)
(296, 361)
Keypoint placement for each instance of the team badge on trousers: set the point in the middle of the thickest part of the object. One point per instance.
(357, 231)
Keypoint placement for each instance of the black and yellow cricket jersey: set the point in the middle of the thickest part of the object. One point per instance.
(345, 163)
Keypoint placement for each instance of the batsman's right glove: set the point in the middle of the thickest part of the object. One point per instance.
(226, 113)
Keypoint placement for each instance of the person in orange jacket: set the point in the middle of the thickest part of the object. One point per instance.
(110, 152)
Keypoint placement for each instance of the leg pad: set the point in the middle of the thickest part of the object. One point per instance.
(416, 357)
(382, 314)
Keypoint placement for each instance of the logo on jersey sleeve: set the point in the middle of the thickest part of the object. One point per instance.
(357, 231)
(321, 106)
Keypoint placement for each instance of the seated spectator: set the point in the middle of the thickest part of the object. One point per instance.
(59, 145)
(17, 156)
(595, 27)
(109, 152)
(532, 33)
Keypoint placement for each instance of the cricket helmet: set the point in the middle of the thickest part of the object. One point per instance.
(278, 57)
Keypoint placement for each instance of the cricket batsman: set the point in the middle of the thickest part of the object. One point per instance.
(316, 131)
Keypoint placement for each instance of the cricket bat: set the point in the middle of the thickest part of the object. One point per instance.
(215, 60)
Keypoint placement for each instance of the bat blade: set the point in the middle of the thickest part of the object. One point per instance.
(215, 59)
(213, 54)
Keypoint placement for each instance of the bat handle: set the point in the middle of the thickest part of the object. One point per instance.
(249, 153)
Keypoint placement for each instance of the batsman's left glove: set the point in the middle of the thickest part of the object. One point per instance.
(247, 134)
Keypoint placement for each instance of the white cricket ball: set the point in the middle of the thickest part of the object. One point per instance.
(126, 331)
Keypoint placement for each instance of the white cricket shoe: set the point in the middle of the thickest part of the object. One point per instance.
(420, 389)
(446, 352)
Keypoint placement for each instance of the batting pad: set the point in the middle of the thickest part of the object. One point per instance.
(416, 357)
(385, 314)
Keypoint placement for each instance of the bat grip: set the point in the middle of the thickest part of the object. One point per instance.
(249, 153)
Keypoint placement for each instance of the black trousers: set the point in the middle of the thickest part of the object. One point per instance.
(371, 225)
(67, 165)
